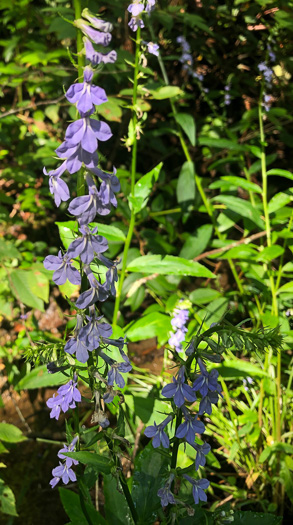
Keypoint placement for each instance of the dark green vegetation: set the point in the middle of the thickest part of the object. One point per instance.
(221, 199)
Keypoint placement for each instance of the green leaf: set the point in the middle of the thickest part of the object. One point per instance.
(231, 369)
(72, 506)
(242, 183)
(269, 253)
(242, 208)
(221, 143)
(166, 92)
(154, 324)
(239, 252)
(150, 471)
(147, 408)
(111, 110)
(23, 286)
(186, 183)
(278, 201)
(116, 507)
(7, 500)
(204, 295)
(286, 288)
(169, 265)
(10, 433)
(282, 173)
(68, 232)
(197, 242)
(187, 123)
(39, 378)
(52, 112)
(143, 188)
(101, 463)
(255, 518)
(8, 250)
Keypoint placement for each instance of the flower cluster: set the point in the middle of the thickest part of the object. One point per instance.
(79, 263)
(64, 470)
(180, 317)
(186, 59)
(67, 396)
(227, 96)
(206, 384)
(267, 74)
(136, 9)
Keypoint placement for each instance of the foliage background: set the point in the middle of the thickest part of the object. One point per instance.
(251, 441)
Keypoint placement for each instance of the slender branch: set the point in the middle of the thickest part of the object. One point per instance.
(133, 175)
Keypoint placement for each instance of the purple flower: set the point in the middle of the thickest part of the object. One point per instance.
(207, 401)
(179, 390)
(136, 8)
(266, 71)
(135, 22)
(198, 487)
(95, 57)
(165, 493)
(153, 49)
(267, 99)
(206, 381)
(272, 55)
(157, 432)
(97, 292)
(66, 397)
(114, 375)
(179, 320)
(85, 94)
(184, 44)
(97, 37)
(63, 269)
(86, 132)
(201, 452)
(62, 472)
(57, 186)
(86, 246)
(76, 156)
(97, 23)
(110, 185)
(94, 330)
(68, 448)
(190, 427)
(150, 5)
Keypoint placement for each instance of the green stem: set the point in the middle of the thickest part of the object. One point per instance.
(79, 44)
(123, 481)
(133, 175)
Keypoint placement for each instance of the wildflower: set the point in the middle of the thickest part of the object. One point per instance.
(179, 390)
(67, 396)
(206, 381)
(136, 8)
(68, 448)
(165, 493)
(153, 49)
(178, 322)
(114, 375)
(62, 472)
(201, 452)
(87, 132)
(97, 23)
(94, 330)
(190, 427)
(157, 432)
(57, 186)
(150, 5)
(97, 292)
(88, 245)
(207, 401)
(198, 487)
(77, 344)
(63, 269)
(85, 94)
(76, 156)
(227, 97)
(266, 71)
(98, 37)
(96, 57)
